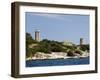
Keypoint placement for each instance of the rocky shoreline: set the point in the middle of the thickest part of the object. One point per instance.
(56, 55)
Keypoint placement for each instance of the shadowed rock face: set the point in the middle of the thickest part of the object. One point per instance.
(76, 52)
(70, 53)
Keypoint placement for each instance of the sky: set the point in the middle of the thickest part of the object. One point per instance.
(59, 27)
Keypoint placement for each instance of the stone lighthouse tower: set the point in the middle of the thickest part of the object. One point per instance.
(81, 41)
(37, 35)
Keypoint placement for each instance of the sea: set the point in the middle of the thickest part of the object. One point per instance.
(57, 62)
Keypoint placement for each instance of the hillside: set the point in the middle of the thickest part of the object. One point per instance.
(48, 46)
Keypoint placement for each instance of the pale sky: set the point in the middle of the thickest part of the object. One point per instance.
(59, 27)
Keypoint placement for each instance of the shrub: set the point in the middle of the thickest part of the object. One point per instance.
(70, 53)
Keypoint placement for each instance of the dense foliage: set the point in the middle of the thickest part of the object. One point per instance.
(84, 47)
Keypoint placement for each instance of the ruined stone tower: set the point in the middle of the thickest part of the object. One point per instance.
(37, 35)
(81, 41)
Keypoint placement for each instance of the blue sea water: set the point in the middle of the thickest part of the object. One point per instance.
(57, 62)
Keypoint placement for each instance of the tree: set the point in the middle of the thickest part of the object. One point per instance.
(29, 40)
(44, 46)
(29, 52)
(84, 47)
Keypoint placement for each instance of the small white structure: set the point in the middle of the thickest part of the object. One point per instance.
(68, 43)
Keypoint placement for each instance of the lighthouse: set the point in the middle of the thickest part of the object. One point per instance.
(37, 35)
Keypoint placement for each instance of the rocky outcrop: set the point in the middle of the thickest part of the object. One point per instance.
(55, 55)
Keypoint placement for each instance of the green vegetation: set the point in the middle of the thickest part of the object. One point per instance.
(85, 47)
(48, 46)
